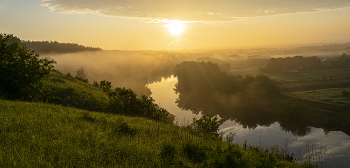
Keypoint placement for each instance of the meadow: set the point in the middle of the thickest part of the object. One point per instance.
(65, 135)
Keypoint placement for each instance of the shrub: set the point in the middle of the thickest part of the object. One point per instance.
(106, 86)
(87, 116)
(207, 123)
(81, 73)
(124, 128)
(125, 101)
(195, 152)
(168, 151)
(22, 71)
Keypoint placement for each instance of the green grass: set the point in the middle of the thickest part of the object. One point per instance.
(45, 135)
(331, 95)
(298, 79)
(312, 77)
(69, 91)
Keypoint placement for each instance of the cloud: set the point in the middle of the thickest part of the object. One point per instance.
(193, 10)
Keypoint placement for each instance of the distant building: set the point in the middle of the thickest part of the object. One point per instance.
(324, 61)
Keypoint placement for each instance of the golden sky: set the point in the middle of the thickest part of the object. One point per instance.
(180, 24)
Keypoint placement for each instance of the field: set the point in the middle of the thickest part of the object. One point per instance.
(330, 95)
(299, 81)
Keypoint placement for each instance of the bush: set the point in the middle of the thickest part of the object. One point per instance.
(22, 72)
(106, 86)
(81, 73)
(207, 123)
(125, 101)
(168, 151)
(195, 152)
(124, 128)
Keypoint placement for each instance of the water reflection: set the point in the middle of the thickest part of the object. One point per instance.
(248, 113)
(165, 96)
(331, 149)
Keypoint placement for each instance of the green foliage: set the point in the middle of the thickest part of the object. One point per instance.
(95, 84)
(168, 151)
(87, 116)
(124, 128)
(230, 137)
(22, 71)
(195, 152)
(68, 91)
(106, 86)
(125, 101)
(207, 123)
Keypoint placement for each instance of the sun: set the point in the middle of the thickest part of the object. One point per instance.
(175, 27)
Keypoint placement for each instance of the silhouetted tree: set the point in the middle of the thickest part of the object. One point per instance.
(21, 70)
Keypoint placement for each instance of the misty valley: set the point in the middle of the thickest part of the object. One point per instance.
(276, 101)
(251, 92)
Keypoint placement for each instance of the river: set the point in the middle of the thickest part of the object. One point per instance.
(330, 150)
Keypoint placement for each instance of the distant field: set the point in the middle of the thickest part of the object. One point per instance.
(331, 95)
(301, 81)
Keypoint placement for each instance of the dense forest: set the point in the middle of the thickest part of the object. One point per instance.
(300, 63)
(293, 63)
(48, 47)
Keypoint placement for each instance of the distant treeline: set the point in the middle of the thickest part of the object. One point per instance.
(47, 47)
(291, 63)
(305, 63)
(342, 61)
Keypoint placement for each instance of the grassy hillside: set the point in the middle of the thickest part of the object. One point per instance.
(69, 91)
(45, 135)
(77, 132)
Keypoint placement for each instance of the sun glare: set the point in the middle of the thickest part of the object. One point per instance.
(175, 27)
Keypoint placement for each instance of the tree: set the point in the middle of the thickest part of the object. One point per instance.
(207, 123)
(81, 73)
(21, 71)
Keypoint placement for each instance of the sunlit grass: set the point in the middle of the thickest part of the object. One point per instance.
(44, 135)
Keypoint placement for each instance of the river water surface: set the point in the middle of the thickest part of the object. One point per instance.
(330, 150)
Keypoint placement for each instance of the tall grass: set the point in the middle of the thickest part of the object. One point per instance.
(44, 135)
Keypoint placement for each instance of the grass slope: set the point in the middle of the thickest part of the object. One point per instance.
(44, 135)
(69, 91)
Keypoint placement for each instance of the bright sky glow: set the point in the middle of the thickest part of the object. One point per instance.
(175, 27)
(153, 24)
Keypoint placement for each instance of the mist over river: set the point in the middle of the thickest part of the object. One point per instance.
(330, 150)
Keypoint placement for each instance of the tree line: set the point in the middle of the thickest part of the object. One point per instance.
(47, 47)
(292, 63)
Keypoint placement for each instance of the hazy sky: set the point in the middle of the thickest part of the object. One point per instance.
(201, 24)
